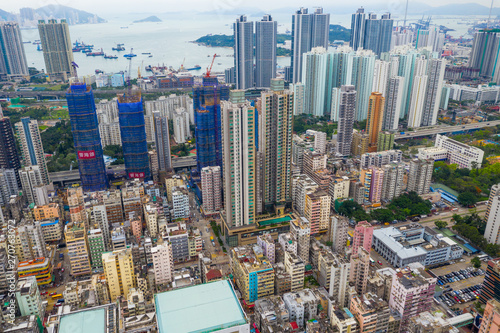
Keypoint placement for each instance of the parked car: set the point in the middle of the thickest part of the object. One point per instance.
(379, 262)
(52, 294)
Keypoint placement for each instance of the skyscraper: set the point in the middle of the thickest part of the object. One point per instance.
(30, 179)
(133, 133)
(206, 104)
(162, 141)
(85, 129)
(490, 288)
(238, 151)
(266, 31)
(31, 146)
(275, 144)
(363, 66)
(393, 103)
(371, 33)
(315, 78)
(347, 111)
(374, 120)
(417, 101)
(243, 52)
(119, 270)
(484, 54)
(435, 75)
(12, 56)
(57, 47)
(9, 159)
(492, 231)
(357, 29)
(308, 31)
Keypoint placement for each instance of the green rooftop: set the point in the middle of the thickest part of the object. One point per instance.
(277, 220)
(84, 321)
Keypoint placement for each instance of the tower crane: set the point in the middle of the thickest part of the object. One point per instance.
(209, 69)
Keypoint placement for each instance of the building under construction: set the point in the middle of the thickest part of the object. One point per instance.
(133, 133)
(207, 118)
(85, 129)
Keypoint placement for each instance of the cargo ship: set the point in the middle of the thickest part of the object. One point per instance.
(110, 57)
(98, 71)
(195, 68)
(95, 54)
(130, 55)
(118, 47)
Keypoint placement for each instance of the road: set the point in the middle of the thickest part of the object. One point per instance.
(444, 129)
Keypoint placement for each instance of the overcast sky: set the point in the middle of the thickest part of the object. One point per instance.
(105, 7)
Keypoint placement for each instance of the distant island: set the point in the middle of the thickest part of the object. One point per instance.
(149, 19)
(337, 32)
(72, 15)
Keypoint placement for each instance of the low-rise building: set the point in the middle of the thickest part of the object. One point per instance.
(39, 268)
(302, 306)
(28, 298)
(371, 312)
(51, 230)
(343, 320)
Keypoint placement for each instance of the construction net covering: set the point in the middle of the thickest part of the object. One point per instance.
(133, 132)
(86, 137)
(206, 103)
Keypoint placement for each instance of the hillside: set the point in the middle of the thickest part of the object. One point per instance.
(149, 19)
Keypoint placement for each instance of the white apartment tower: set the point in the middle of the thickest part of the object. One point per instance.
(492, 217)
(211, 188)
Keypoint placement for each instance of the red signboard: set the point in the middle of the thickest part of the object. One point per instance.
(136, 175)
(85, 155)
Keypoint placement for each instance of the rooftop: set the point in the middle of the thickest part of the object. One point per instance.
(202, 308)
(84, 321)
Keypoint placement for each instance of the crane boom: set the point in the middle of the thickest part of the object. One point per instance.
(209, 69)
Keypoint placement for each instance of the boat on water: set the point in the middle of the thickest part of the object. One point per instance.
(82, 47)
(118, 47)
(28, 42)
(150, 56)
(146, 53)
(38, 48)
(130, 55)
(195, 68)
(98, 71)
(110, 57)
(95, 54)
(123, 27)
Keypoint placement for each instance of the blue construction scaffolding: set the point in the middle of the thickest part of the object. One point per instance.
(133, 132)
(207, 118)
(85, 129)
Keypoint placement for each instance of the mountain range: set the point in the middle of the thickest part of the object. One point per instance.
(72, 15)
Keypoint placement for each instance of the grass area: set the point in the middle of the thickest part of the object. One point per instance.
(42, 127)
(56, 114)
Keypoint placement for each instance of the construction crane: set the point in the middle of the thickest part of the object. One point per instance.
(139, 70)
(209, 69)
(182, 66)
(75, 66)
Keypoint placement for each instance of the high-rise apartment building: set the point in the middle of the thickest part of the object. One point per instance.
(308, 31)
(411, 293)
(484, 54)
(301, 232)
(347, 112)
(100, 219)
(181, 125)
(266, 31)
(86, 137)
(339, 225)
(419, 177)
(31, 146)
(238, 151)
(371, 312)
(363, 66)
(435, 81)
(393, 185)
(360, 267)
(78, 254)
(363, 234)
(275, 145)
(339, 280)
(374, 121)
(378, 33)
(162, 141)
(393, 102)
(491, 317)
(211, 189)
(385, 141)
(492, 231)
(119, 272)
(490, 289)
(12, 55)
(9, 159)
(206, 103)
(357, 29)
(76, 204)
(31, 177)
(57, 48)
(28, 298)
(96, 248)
(8, 185)
(133, 133)
(295, 267)
(163, 263)
(317, 210)
(380, 158)
(243, 52)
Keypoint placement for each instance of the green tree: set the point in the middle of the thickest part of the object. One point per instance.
(440, 224)
(467, 199)
(476, 262)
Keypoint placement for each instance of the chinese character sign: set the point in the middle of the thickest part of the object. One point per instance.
(136, 175)
(85, 155)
